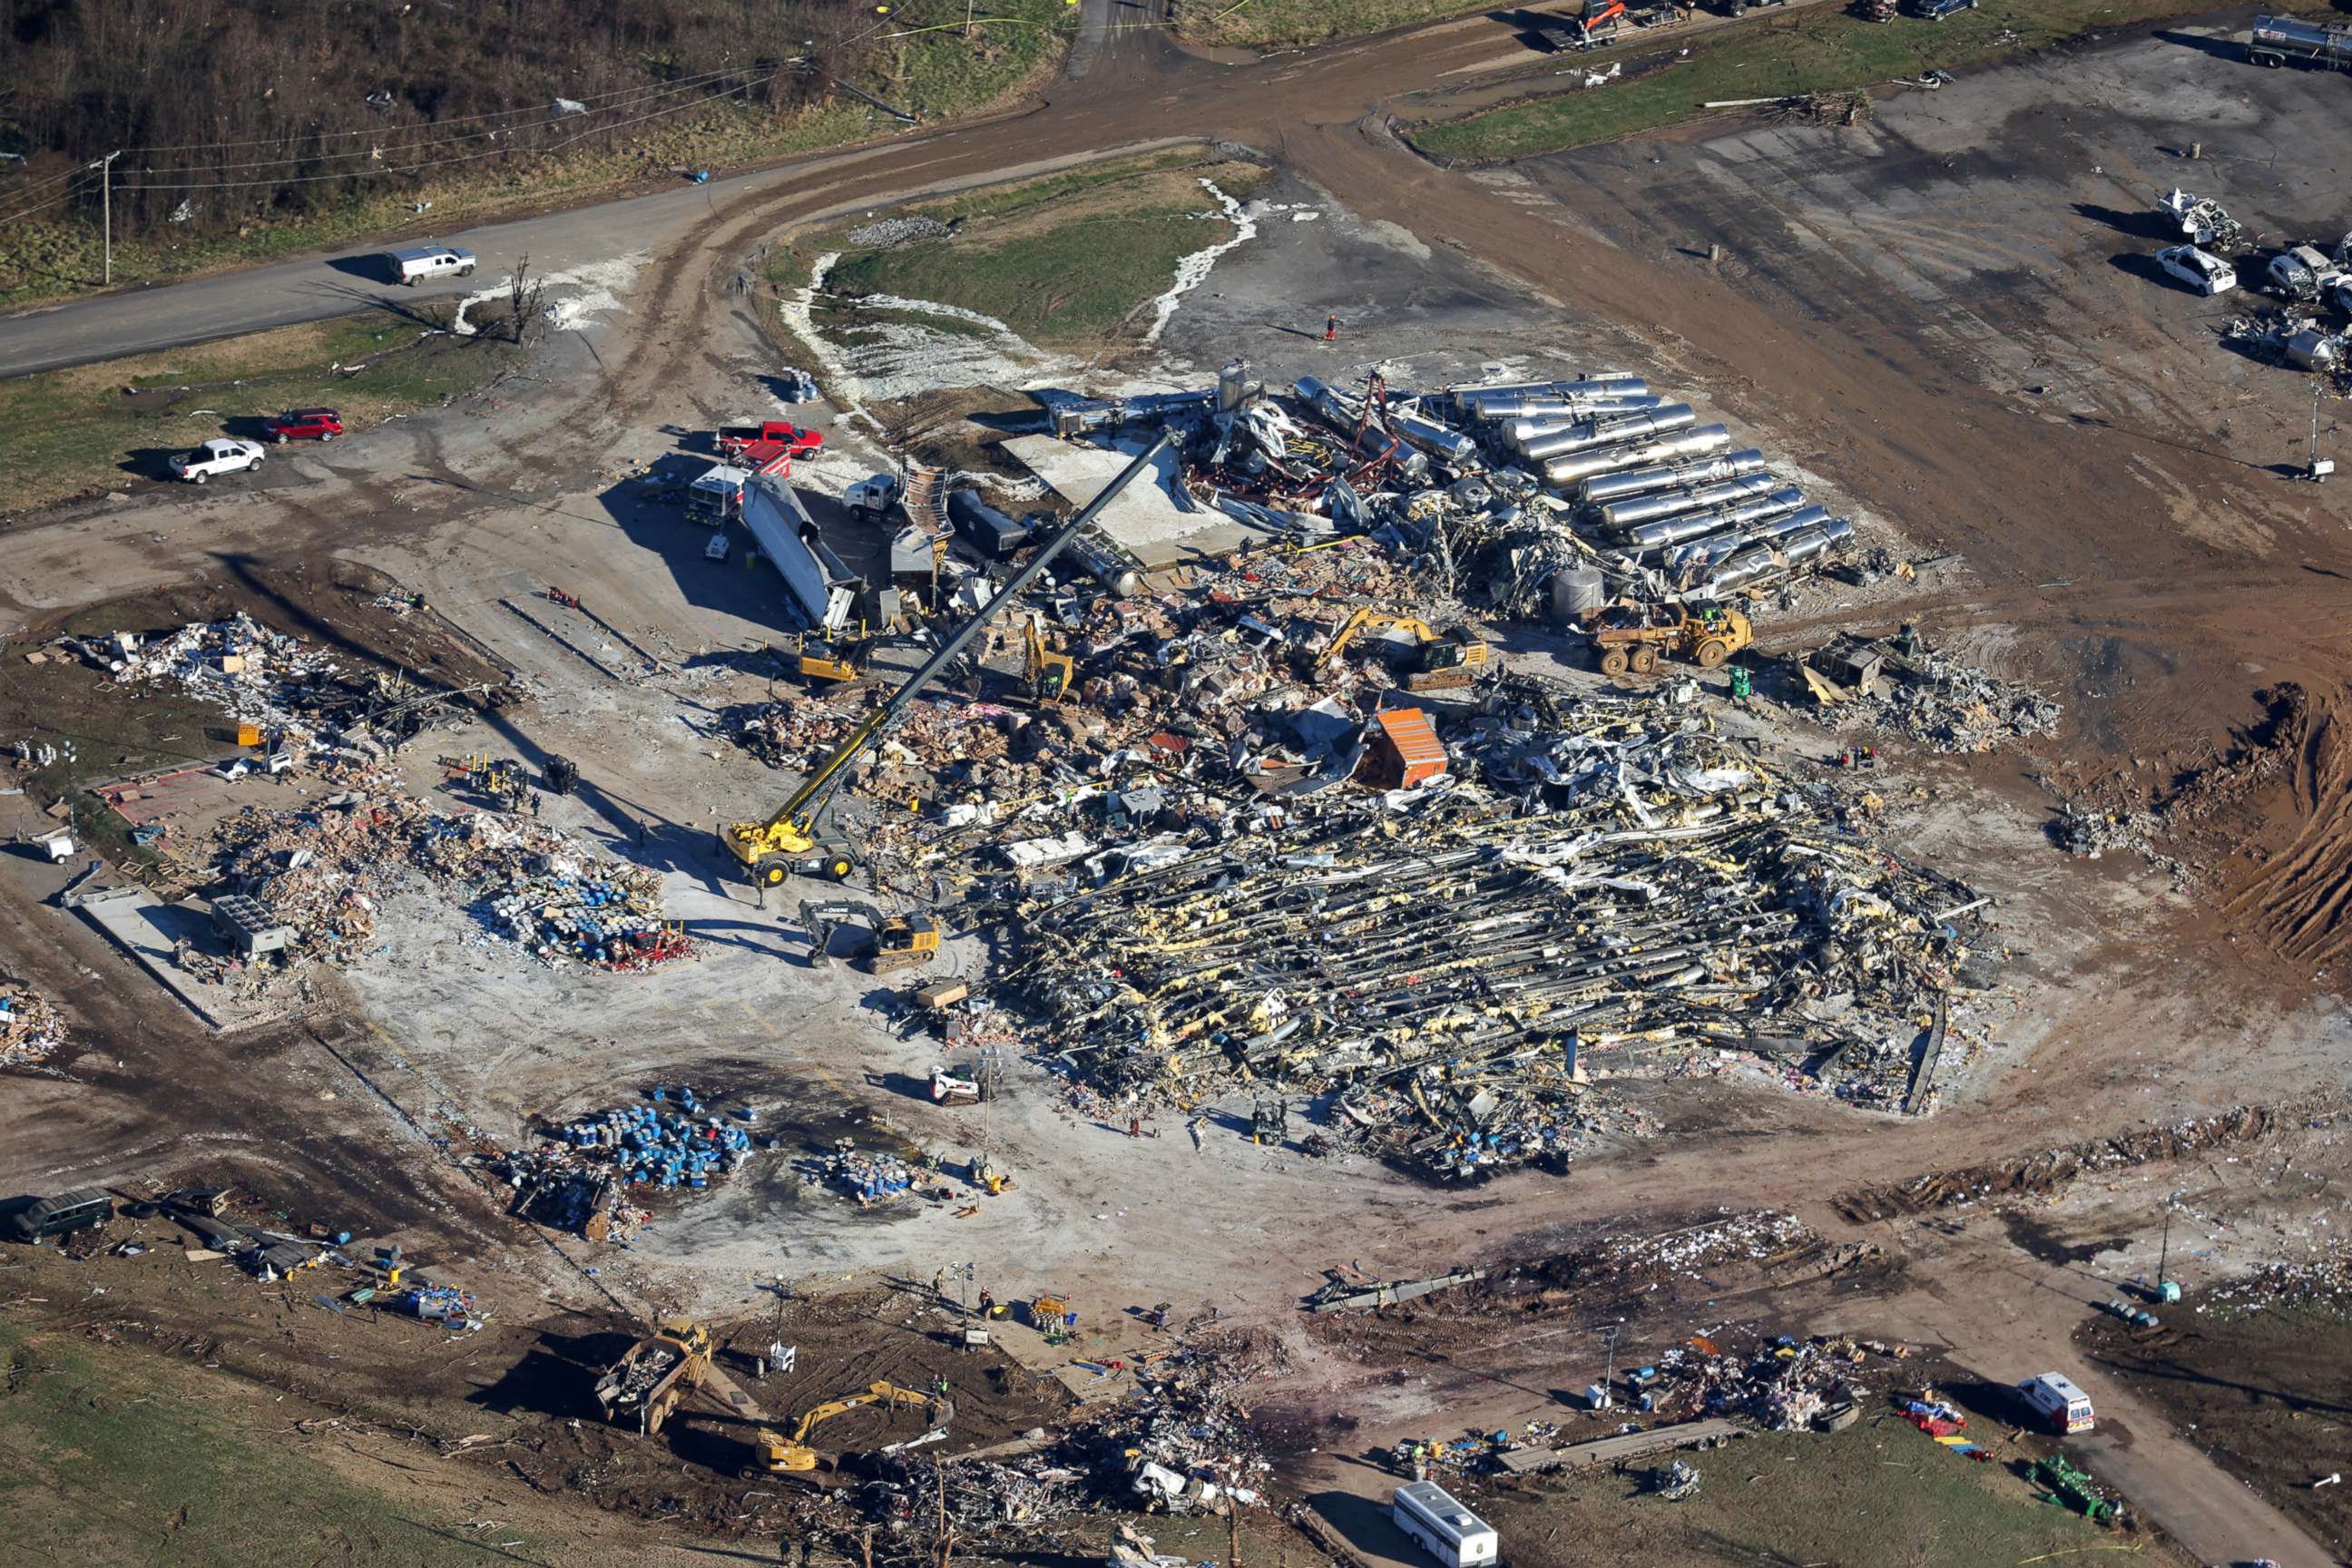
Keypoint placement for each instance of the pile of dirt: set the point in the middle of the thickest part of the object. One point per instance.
(2300, 900)
(2046, 1172)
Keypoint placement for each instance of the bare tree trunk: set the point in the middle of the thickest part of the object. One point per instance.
(1232, 1534)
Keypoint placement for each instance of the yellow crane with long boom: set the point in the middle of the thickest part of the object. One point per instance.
(795, 838)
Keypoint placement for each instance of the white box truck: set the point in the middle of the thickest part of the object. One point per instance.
(1441, 1525)
(2056, 1400)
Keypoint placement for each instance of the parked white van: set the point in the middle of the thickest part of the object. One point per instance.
(420, 262)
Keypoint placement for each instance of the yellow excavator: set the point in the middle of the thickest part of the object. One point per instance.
(1439, 660)
(1047, 672)
(795, 839)
(773, 1453)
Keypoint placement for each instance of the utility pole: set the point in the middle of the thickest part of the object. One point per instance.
(1609, 1378)
(105, 201)
(2164, 1256)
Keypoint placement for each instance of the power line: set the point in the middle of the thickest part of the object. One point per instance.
(459, 120)
(395, 148)
(28, 212)
(435, 162)
(77, 169)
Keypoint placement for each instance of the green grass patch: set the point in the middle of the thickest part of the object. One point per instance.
(1278, 24)
(1067, 259)
(936, 74)
(1880, 1492)
(1817, 50)
(105, 1460)
(73, 431)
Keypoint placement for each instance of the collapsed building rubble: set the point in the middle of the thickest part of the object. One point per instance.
(325, 870)
(31, 1028)
(1609, 888)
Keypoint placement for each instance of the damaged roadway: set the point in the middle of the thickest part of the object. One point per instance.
(430, 1037)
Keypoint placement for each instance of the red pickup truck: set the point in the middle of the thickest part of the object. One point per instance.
(755, 446)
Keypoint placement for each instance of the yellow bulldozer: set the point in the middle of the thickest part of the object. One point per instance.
(775, 1454)
(1707, 636)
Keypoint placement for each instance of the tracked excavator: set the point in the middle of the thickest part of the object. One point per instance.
(1440, 658)
(796, 840)
(773, 1453)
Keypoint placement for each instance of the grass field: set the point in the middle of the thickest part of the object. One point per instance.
(935, 74)
(1817, 50)
(1062, 261)
(1881, 1494)
(104, 1459)
(73, 431)
(1277, 23)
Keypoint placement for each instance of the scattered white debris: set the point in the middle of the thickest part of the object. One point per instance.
(1192, 270)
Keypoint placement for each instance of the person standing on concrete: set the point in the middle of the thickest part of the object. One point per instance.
(1135, 1127)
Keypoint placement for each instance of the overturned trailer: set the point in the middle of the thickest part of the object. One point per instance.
(823, 590)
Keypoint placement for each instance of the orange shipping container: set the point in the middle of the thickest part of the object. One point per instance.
(1403, 750)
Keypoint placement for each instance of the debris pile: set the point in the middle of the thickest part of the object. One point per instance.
(1950, 707)
(870, 1176)
(1901, 688)
(2321, 1282)
(576, 1177)
(1179, 1444)
(31, 1028)
(1607, 887)
(1784, 1384)
(299, 698)
(325, 870)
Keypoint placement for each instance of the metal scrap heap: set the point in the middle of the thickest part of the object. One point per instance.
(325, 871)
(1609, 887)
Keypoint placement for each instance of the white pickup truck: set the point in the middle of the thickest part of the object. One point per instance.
(221, 455)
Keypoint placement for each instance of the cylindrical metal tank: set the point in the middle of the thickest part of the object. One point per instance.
(1594, 434)
(1451, 446)
(1577, 466)
(1640, 481)
(1760, 561)
(1332, 407)
(1233, 381)
(1637, 509)
(1106, 562)
(1502, 399)
(1527, 427)
(1471, 397)
(1577, 591)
